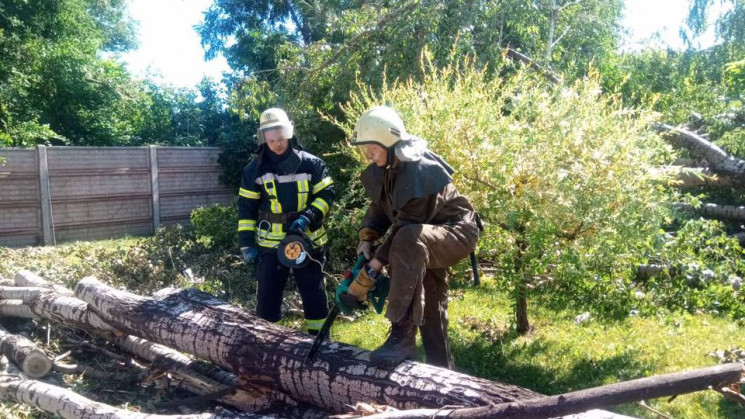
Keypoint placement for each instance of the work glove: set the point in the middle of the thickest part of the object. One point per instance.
(300, 225)
(249, 254)
(365, 248)
(367, 238)
(362, 283)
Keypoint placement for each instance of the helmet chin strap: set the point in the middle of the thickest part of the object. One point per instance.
(391, 156)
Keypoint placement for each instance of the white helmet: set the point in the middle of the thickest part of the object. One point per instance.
(274, 118)
(380, 125)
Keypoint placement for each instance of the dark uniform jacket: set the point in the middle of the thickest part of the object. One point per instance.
(419, 192)
(275, 191)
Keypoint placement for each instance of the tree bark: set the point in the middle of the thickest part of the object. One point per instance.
(718, 159)
(195, 376)
(70, 405)
(25, 354)
(584, 400)
(727, 212)
(16, 308)
(26, 278)
(547, 72)
(25, 294)
(70, 311)
(272, 356)
(692, 177)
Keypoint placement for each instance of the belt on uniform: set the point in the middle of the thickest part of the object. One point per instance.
(278, 218)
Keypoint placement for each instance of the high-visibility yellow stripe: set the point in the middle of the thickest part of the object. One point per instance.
(303, 187)
(278, 228)
(319, 236)
(322, 205)
(314, 324)
(267, 242)
(282, 178)
(322, 184)
(248, 194)
(246, 225)
(271, 189)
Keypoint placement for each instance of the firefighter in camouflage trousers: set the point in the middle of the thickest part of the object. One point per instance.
(431, 227)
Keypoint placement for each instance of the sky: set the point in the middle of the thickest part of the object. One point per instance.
(170, 49)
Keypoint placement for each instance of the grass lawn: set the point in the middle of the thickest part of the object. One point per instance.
(560, 356)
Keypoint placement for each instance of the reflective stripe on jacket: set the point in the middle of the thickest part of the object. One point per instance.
(300, 185)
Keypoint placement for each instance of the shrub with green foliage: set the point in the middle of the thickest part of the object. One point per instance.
(216, 225)
(559, 173)
(705, 271)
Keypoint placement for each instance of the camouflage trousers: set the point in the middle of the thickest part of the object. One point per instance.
(419, 257)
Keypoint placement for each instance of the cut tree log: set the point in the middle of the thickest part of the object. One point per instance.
(272, 356)
(25, 354)
(199, 377)
(70, 405)
(727, 212)
(195, 376)
(67, 310)
(597, 397)
(686, 177)
(26, 278)
(25, 294)
(16, 308)
(686, 162)
(718, 159)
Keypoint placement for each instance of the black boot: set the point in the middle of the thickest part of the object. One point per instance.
(400, 345)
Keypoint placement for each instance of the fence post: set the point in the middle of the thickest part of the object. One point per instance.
(45, 197)
(154, 186)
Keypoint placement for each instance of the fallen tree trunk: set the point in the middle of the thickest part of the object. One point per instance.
(70, 311)
(685, 177)
(195, 376)
(597, 397)
(24, 354)
(272, 356)
(70, 405)
(16, 308)
(26, 278)
(25, 294)
(727, 212)
(718, 159)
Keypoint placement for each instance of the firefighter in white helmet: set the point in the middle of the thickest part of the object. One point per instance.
(284, 190)
(431, 226)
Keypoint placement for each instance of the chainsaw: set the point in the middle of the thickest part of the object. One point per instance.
(347, 303)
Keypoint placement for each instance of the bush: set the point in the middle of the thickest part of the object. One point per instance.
(216, 226)
(559, 172)
(706, 268)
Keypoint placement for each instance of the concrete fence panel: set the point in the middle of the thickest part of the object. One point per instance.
(55, 194)
(20, 216)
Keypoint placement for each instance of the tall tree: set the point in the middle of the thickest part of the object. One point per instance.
(52, 79)
(307, 55)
